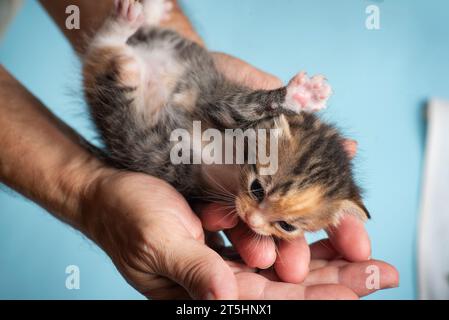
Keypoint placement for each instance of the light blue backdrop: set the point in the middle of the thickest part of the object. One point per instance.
(381, 80)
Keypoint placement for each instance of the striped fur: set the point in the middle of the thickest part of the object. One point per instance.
(143, 85)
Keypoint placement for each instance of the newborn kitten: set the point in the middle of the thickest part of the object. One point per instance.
(142, 82)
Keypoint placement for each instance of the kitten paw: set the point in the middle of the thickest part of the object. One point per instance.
(307, 94)
(129, 11)
(157, 11)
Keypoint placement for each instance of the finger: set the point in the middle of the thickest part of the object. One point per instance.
(350, 239)
(367, 277)
(350, 147)
(256, 251)
(215, 217)
(329, 292)
(270, 274)
(200, 270)
(238, 267)
(292, 263)
(256, 287)
(244, 73)
(323, 249)
(362, 277)
(318, 264)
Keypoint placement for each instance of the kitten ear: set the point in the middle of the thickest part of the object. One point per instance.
(355, 208)
(350, 147)
(282, 124)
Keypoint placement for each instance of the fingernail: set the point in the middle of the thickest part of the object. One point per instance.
(209, 296)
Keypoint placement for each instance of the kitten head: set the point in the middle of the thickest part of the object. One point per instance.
(312, 188)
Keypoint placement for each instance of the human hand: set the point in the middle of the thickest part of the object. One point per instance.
(329, 278)
(153, 238)
(158, 245)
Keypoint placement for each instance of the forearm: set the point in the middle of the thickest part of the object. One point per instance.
(40, 156)
(93, 14)
(179, 22)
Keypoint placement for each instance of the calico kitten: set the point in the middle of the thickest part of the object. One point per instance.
(142, 82)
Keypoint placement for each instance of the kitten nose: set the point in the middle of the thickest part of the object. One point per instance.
(255, 219)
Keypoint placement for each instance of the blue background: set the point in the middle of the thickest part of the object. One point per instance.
(381, 78)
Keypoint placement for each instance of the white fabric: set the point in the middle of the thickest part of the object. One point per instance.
(7, 10)
(433, 241)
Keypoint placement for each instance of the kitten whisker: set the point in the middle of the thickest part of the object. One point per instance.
(224, 189)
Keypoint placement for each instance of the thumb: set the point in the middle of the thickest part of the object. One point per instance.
(201, 271)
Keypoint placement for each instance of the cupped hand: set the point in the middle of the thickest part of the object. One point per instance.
(158, 245)
(330, 277)
(327, 279)
(154, 238)
(290, 259)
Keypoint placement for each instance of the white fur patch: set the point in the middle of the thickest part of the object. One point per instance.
(157, 11)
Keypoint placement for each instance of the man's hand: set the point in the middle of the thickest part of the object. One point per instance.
(154, 238)
(334, 279)
(158, 245)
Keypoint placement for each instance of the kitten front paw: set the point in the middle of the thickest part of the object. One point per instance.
(307, 94)
(129, 12)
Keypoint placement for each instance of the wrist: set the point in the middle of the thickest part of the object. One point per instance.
(40, 156)
(75, 184)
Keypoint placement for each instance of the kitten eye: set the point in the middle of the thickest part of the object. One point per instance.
(286, 226)
(257, 190)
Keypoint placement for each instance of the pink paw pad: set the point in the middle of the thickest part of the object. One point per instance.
(307, 94)
(130, 11)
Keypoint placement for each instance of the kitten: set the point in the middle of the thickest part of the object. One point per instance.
(142, 82)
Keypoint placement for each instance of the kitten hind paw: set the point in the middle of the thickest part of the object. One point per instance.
(307, 94)
(157, 11)
(130, 12)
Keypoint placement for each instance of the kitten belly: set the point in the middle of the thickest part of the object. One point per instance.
(160, 72)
